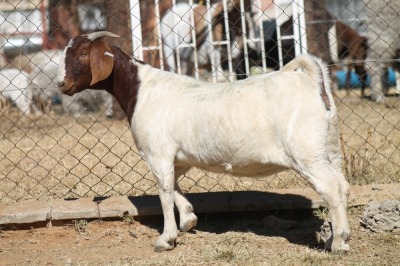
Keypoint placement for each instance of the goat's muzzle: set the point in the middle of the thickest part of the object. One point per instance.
(65, 89)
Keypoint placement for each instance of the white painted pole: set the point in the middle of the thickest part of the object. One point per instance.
(302, 25)
(261, 40)
(137, 41)
(193, 44)
(296, 28)
(278, 14)
(209, 17)
(228, 40)
(159, 37)
(245, 48)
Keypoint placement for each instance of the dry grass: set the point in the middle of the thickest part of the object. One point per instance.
(57, 156)
(370, 137)
(81, 226)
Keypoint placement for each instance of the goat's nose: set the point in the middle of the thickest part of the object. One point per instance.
(61, 84)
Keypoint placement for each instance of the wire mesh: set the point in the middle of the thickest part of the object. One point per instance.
(55, 146)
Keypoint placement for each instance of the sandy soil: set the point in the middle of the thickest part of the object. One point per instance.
(219, 239)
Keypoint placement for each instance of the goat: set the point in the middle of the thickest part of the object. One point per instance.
(88, 100)
(14, 87)
(254, 127)
(43, 77)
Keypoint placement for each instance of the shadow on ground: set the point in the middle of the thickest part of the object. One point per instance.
(263, 213)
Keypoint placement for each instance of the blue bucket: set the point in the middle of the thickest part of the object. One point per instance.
(355, 81)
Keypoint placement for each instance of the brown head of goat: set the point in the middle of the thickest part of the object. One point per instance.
(90, 62)
(86, 60)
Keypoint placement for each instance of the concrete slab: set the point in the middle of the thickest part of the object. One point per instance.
(113, 207)
(116, 207)
(23, 212)
(83, 208)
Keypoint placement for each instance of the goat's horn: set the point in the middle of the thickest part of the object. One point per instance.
(95, 35)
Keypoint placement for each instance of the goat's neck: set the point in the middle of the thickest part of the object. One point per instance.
(123, 83)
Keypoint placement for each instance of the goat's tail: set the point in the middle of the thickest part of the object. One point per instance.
(318, 71)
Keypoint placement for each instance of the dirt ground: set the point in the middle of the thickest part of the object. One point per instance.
(219, 239)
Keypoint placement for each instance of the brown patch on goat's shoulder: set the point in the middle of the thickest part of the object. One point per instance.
(126, 82)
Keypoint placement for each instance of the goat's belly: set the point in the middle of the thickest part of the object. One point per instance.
(258, 170)
(249, 170)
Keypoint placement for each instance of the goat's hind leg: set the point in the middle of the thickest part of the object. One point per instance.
(187, 218)
(335, 158)
(333, 189)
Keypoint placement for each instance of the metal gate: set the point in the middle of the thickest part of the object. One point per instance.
(252, 26)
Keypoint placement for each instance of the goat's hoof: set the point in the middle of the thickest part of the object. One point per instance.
(337, 243)
(189, 223)
(163, 245)
(161, 248)
(340, 248)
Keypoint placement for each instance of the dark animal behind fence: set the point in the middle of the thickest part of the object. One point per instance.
(352, 47)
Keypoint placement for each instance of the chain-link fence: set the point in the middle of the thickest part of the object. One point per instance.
(55, 146)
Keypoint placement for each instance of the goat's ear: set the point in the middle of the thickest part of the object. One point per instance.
(101, 61)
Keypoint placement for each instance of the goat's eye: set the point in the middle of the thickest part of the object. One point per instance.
(83, 53)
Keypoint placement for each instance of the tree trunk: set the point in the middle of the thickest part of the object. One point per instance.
(318, 21)
(64, 22)
(118, 22)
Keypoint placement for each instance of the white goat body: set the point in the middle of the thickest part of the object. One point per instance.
(14, 87)
(254, 127)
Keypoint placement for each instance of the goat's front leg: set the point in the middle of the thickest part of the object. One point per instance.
(164, 172)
